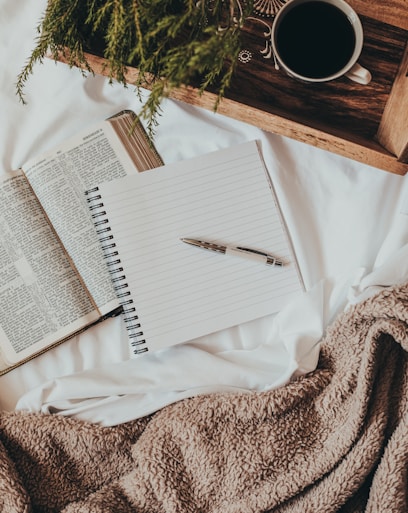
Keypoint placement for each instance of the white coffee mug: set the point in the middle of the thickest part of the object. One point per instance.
(296, 29)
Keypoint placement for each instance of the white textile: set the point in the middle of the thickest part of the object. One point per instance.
(348, 223)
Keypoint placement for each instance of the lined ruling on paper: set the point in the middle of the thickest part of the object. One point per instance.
(179, 291)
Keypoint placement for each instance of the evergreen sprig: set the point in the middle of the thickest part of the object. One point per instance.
(171, 42)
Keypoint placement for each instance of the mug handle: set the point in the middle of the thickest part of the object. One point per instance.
(359, 74)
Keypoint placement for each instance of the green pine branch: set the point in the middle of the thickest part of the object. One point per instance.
(175, 41)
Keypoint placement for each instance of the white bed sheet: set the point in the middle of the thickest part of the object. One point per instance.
(348, 223)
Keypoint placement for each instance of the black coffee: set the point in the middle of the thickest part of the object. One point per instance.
(315, 39)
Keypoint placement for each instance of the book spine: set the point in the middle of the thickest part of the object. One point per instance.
(106, 238)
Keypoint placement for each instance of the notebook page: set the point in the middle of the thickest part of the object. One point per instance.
(181, 292)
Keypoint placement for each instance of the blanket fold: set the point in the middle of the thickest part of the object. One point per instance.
(335, 440)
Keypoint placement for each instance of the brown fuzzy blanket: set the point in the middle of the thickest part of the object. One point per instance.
(336, 440)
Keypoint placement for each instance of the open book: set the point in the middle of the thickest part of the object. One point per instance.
(54, 281)
(173, 292)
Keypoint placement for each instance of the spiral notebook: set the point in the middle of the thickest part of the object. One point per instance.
(172, 292)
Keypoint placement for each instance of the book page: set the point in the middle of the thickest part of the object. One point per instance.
(42, 299)
(60, 179)
(181, 292)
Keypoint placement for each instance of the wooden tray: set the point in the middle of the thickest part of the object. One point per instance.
(368, 123)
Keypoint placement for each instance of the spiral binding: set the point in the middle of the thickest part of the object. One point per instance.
(111, 255)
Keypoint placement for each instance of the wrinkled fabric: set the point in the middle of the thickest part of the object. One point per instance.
(335, 440)
(344, 217)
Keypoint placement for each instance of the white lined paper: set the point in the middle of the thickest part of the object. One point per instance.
(181, 292)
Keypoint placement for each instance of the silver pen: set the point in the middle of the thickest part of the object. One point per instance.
(247, 253)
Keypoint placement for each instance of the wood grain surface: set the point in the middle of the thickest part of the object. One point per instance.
(340, 116)
(340, 107)
(393, 130)
(393, 12)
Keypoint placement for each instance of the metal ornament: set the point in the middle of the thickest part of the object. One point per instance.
(268, 8)
(244, 56)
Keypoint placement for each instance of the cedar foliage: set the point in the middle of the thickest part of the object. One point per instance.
(171, 42)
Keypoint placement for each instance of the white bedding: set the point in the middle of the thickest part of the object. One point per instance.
(348, 223)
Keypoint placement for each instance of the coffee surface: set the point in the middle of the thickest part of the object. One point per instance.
(315, 39)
